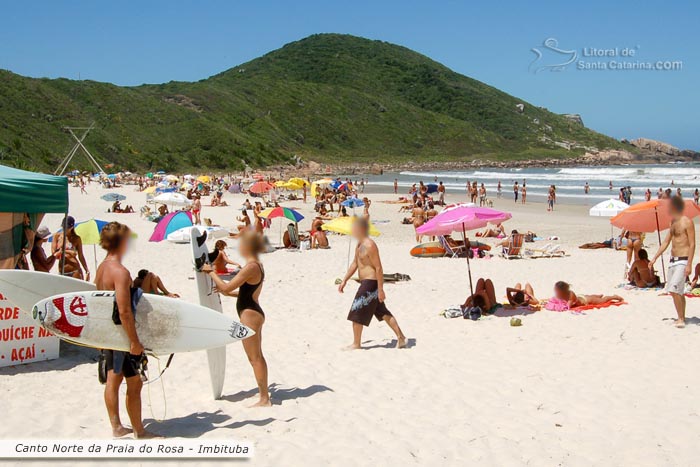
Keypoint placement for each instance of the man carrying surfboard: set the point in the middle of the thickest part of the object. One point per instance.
(120, 366)
(369, 300)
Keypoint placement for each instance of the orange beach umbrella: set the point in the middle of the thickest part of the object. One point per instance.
(651, 216)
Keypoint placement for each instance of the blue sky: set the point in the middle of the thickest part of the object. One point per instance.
(129, 42)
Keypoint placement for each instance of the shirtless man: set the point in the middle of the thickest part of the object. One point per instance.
(319, 239)
(112, 275)
(681, 237)
(441, 194)
(369, 300)
(418, 218)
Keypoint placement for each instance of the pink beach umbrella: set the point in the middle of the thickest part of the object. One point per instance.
(462, 217)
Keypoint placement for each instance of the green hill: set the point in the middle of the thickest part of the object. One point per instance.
(328, 97)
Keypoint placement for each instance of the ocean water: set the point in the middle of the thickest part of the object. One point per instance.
(569, 182)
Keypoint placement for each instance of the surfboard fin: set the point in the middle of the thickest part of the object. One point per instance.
(202, 239)
(200, 262)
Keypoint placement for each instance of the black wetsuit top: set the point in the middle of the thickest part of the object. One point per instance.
(246, 299)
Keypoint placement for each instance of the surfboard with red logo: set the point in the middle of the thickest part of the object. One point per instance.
(25, 288)
(164, 325)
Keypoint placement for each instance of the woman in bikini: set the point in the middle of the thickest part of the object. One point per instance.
(633, 246)
(73, 258)
(418, 218)
(562, 291)
(484, 297)
(245, 222)
(151, 283)
(522, 296)
(246, 286)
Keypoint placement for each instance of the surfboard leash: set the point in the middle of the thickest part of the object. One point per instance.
(162, 388)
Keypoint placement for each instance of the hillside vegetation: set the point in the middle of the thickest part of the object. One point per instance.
(328, 98)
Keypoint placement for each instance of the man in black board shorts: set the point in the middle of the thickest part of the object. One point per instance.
(369, 300)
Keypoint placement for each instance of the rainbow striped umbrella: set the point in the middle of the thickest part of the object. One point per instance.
(291, 214)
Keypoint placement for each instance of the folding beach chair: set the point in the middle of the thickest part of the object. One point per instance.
(293, 236)
(550, 250)
(514, 248)
(455, 252)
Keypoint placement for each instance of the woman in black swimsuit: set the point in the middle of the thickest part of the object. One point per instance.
(248, 283)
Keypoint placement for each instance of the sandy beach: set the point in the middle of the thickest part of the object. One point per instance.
(614, 386)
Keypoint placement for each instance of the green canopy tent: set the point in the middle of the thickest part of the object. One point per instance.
(23, 194)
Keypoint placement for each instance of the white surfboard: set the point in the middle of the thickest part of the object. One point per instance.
(164, 325)
(209, 298)
(25, 288)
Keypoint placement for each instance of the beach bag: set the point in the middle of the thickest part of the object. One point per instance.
(473, 313)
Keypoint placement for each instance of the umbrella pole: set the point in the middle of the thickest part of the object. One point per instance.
(469, 266)
(658, 232)
(94, 255)
(63, 246)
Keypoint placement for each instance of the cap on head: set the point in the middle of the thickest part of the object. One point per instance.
(43, 232)
(69, 222)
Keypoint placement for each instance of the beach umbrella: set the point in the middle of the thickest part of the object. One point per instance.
(204, 179)
(651, 216)
(112, 197)
(169, 224)
(288, 213)
(335, 184)
(150, 190)
(319, 183)
(149, 175)
(111, 176)
(186, 186)
(89, 232)
(258, 176)
(260, 188)
(160, 172)
(298, 181)
(171, 198)
(462, 217)
(171, 178)
(343, 226)
(608, 208)
(353, 203)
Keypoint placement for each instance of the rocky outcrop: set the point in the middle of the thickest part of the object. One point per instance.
(574, 118)
(655, 147)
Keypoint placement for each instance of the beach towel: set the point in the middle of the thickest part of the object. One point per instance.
(555, 304)
(628, 286)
